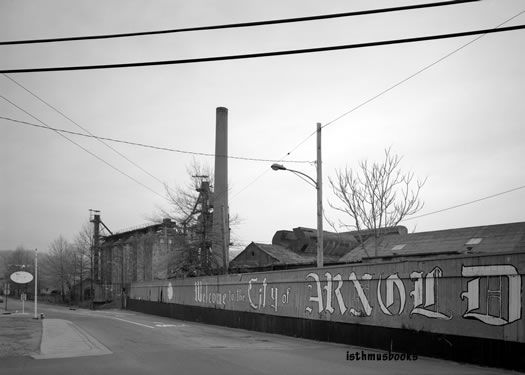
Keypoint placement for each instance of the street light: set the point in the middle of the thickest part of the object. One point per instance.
(318, 185)
(280, 167)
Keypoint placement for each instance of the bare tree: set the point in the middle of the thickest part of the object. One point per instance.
(59, 265)
(83, 245)
(183, 198)
(376, 196)
(186, 207)
(4, 256)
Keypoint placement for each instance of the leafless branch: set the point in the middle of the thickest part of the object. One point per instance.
(376, 195)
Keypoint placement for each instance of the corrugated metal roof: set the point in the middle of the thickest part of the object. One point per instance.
(483, 239)
(282, 254)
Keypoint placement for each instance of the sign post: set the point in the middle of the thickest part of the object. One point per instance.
(21, 277)
(23, 298)
(6, 293)
(36, 282)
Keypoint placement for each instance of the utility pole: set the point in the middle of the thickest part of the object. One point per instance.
(96, 235)
(81, 297)
(36, 284)
(122, 276)
(319, 186)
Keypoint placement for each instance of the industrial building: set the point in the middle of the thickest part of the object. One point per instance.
(455, 293)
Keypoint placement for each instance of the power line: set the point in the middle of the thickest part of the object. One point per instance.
(84, 129)
(238, 25)
(266, 54)
(142, 144)
(278, 161)
(85, 149)
(416, 73)
(266, 171)
(400, 82)
(456, 206)
(465, 204)
(377, 96)
(301, 143)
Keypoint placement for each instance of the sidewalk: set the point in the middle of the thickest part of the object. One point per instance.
(63, 339)
(21, 335)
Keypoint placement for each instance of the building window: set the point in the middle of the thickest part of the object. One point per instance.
(399, 247)
(474, 241)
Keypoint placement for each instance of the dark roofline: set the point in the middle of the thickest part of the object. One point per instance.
(141, 230)
(472, 228)
(415, 254)
(262, 249)
(383, 231)
(304, 259)
(398, 229)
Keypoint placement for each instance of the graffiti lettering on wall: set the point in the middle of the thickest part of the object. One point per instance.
(490, 294)
(431, 284)
(259, 295)
(497, 303)
(204, 295)
(513, 296)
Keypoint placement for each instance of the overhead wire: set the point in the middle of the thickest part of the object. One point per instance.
(377, 96)
(465, 204)
(145, 145)
(261, 175)
(84, 129)
(446, 209)
(381, 93)
(321, 49)
(85, 149)
(102, 139)
(266, 54)
(417, 72)
(239, 25)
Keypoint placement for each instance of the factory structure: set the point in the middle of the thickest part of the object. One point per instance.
(169, 249)
(455, 293)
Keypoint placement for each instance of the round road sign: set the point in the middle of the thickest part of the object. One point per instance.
(21, 277)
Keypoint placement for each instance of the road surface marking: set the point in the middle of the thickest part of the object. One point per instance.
(163, 325)
(129, 321)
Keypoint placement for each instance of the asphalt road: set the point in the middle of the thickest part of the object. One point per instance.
(148, 344)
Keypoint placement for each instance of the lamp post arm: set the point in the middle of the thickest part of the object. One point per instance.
(305, 175)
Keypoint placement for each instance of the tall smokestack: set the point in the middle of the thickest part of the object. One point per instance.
(221, 222)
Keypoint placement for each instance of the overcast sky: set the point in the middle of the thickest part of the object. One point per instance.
(460, 123)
